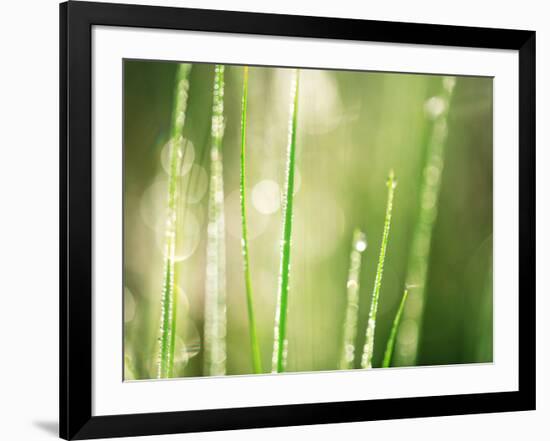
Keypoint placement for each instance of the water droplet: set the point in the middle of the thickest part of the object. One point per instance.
(449, 83)
(435, 106)
(431, 174)
(361, 243)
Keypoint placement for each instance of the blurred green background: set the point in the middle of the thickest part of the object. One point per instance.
(353, 127)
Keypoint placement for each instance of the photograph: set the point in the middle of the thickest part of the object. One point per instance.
(287, 219)
(248, 221)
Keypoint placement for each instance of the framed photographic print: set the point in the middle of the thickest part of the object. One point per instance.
(276, 220)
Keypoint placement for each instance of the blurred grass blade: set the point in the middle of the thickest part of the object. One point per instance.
(279, 339)
(215, 303)
(167, 322)
(255, 347)
(181, 217)
(437, 108)
(129, 370)
(358, 246)
(366, 361)
(484, 351)
(393, 333)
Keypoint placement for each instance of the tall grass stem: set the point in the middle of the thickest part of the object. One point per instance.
(167, 322)
(279, 340)
(437, 109)
(358, 246)
(254, 345)
(215, 302)
(368, 350)
(388, 354)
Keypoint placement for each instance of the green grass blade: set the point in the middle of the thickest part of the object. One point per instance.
(279, 340)
(167, 322)
(393, 333)
(181, 217)
(358, 246)
(437, 109)
(173, 331)
(484, 349)
(255, 347)
(366, 361)
(215, 302)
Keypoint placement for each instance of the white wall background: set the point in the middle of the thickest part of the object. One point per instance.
(29, 219)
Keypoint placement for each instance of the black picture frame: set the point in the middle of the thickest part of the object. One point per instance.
(76, 236)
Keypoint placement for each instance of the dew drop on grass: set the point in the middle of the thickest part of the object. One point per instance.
(361, 242)
(449, 84)
(434, 106)
(432, 174)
